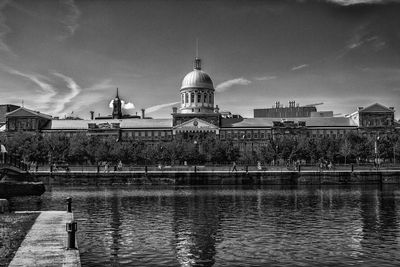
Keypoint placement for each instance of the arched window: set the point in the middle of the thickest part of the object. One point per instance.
(191, 97)
(198, 98)
(187, 98)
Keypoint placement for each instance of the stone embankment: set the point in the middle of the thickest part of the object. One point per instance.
(222, 177)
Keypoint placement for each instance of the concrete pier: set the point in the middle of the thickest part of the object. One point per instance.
(45, 244)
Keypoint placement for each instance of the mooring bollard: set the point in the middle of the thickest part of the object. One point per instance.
(299, 168)
(145, 169)
(71, 228)
(195, 169)
(69, 204)
(352, 167)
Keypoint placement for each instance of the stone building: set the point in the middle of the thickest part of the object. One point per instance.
(198, 118)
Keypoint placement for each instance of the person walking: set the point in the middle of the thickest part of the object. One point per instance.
(234, 167)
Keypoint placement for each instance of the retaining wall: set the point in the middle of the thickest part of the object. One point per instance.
(222, 178)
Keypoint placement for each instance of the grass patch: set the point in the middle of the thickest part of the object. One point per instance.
(13, 229)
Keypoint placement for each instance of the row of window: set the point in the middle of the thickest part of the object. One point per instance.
(249, 134)
(22, 124)
(196, 97)
(267, 134)
(147, 134)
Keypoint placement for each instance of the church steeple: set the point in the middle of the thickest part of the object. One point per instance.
(117, 107)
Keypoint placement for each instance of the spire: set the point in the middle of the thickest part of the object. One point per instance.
(197, 60)
(117, 93)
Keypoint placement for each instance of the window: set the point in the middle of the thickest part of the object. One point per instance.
(198, 98)
(192, 98)
(248, 135)
(187, 98)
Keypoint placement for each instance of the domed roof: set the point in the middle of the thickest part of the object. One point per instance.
(197, 79)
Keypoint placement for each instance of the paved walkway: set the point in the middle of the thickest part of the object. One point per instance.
(45, 243)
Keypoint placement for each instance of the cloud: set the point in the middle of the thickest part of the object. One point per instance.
(37, 79)
(4, 29)
(265, 78)
(91, 95)
(124, 105)
(48, 91)
(300, 67)
(70, 21)
(75, 90)
(359, 2)
(158, 107)
(225, 86)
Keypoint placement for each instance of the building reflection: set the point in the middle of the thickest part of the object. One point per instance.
(379, 217)
(196, 228)
(115, 229)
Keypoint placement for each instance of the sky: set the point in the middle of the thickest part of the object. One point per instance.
(68, 57)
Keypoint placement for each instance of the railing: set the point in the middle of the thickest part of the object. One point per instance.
(64, 168)
(14, 161)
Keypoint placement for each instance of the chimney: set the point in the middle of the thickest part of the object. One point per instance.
(360, 108)
(216, 109)
(174, 110)
(143, 113)
(91, 115)
(391, 108)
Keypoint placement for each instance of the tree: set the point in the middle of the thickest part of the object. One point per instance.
(345, 149)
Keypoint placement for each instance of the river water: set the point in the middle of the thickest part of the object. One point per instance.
(231, 226)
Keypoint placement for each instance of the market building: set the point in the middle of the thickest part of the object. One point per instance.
(198, 118)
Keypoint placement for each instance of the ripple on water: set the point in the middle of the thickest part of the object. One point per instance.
(234, 226)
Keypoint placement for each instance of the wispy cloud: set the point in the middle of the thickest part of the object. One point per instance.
(91, 95)
(265, 78)
(4, 29)
(158, 107)
(300, 67)
(48, 91)
(75, 90)
(225, 86)
(70, 20)
(358, 2)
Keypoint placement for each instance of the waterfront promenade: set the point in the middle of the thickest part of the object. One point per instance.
(220, 175)
(45, 244)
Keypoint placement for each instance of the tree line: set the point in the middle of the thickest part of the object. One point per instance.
(83, 149)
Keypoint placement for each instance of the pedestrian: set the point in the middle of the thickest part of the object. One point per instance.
(234, 167)
(259, 167)
(120, 165)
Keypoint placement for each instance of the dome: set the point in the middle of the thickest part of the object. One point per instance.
(197, 79)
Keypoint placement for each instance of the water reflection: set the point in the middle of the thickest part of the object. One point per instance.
(232, 226)
(196, 225)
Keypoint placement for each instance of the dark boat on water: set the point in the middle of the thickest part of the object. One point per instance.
(17, 182)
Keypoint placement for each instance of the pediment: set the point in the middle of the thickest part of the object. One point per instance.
(196, 123)
(376, 108)
(22, 112)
